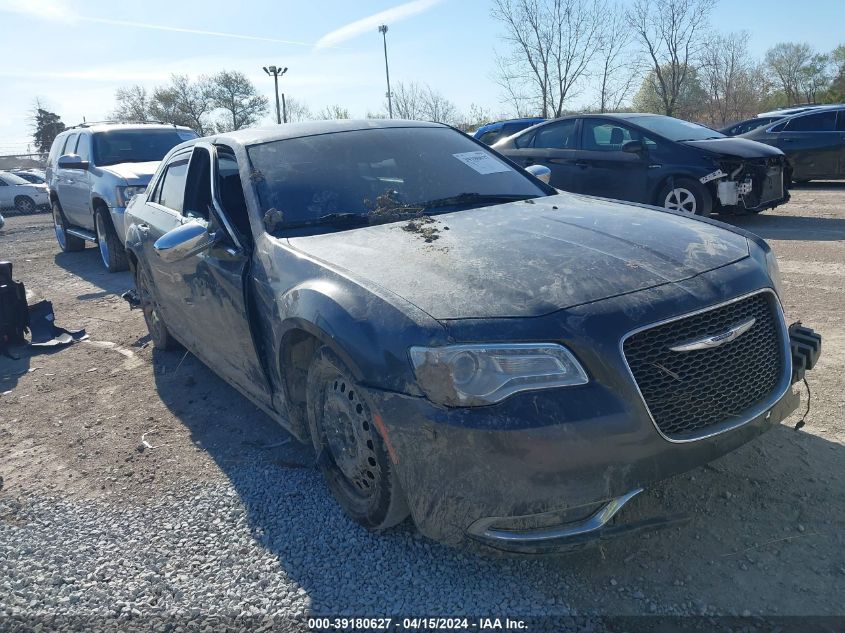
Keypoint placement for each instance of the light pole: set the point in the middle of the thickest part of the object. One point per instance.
(383, 30)
(275, 72)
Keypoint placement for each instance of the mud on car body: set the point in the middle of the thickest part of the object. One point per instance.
(457, 340)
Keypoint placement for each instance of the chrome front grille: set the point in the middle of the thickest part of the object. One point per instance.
(695, 393)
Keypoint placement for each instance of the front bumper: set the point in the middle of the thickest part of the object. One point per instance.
(118, 220)
(542, 471)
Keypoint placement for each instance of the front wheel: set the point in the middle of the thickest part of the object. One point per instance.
(685, 195)
(160, 335)
(351, 453)
(111, 248)
(67, 242)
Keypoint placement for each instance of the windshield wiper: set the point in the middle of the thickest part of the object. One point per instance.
(472, 198)
(337, 219)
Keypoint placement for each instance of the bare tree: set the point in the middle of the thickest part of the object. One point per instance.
(232, 92)
(786, 61)
(551, 44)
(735, 85)
(618, 68)
(133, 104)
(334, 112)
(437, 108)
(837, 86)
(407, 100)
(187, 102)
(297, 110)
(670, 34)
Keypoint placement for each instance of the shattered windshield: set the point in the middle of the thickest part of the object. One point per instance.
(347, 179)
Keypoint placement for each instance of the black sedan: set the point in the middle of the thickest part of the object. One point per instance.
(457, 340)
(813, 141)
(653, 159)
(742, 127)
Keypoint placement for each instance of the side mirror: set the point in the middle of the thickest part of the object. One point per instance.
(633, 147)
(184, 241)
(72, 161)
(540, 172)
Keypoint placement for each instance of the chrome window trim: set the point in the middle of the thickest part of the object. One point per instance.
(780, 391)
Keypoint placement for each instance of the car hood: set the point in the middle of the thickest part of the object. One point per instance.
(527, 259)
(134, 173)
(735, 146)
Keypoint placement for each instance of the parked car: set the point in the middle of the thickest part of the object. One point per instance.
(93, 170)
(814, 143)
(653, 159)
(2, 221)
(21, 195)
(741, 127)
(493, 132)
(456, 339)
(30, 176)
(789, 111)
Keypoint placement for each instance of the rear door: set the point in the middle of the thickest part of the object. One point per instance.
(606, 170)
(812, 144)
(77, 187)
(66, 183)
(554, 146)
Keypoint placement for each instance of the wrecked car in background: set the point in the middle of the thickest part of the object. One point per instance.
(656, 160)
(456, 339)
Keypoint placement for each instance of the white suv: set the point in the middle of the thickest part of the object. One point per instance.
(93, 170)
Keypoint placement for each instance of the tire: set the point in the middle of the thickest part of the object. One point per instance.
(160, 335)
(111, 248)
(25, 204)
(351, 454)
(67, 242)
(686, 196)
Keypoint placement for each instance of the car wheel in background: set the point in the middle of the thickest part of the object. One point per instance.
(111, 248)
(160, 335)
(24, 204)
(351, 453)
(685, 195)
(67, 242)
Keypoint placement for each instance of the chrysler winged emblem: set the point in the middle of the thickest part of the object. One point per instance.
(716, 340)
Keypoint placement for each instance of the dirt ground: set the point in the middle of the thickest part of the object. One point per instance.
(767, 534)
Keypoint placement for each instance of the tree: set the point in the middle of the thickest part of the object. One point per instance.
(670, 34)
(46, 126)
(407, 101)
(689, 103)
(436, 107)
(734, 84)
(422, 102)
(184, 102)
(232, 92)
(334, 112)
(551, 44)
(133, 104)
(297, 110)
(814, 77)
(618, 69)
(786, 61)
(836, 92)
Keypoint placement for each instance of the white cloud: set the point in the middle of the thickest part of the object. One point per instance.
(42, 9)
(371, 23)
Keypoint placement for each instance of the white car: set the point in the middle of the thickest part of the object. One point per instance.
(17, 193)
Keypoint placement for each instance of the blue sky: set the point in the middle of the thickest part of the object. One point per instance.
(73, 55)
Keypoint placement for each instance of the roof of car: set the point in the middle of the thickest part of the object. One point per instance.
(257, 135)
(109, 126)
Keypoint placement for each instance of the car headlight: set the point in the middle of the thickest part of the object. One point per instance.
(125, 194)
(478, 374)
(774, 272)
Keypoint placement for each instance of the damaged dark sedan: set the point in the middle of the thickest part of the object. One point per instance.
(654, 159)
(458, 341)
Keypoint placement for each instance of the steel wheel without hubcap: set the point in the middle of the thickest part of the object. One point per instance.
(681, 199)
(155, 324)
(351, 453)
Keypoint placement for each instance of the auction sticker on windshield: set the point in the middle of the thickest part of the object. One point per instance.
(482, 162)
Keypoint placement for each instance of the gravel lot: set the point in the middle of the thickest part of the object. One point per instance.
(226, 516)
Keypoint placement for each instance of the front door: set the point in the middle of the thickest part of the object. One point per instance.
(608, 170)
(209, 286)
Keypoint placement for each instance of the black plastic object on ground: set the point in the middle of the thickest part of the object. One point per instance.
(45, 332)
(14, 316)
